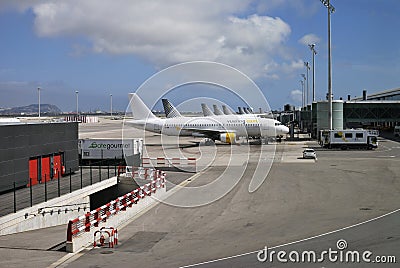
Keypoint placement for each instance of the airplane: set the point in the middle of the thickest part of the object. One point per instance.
(225, 128)
(226, 110)
(170, 110)
(217, 111)
(206, 110)
(168, 107)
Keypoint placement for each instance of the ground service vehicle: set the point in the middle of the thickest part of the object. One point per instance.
(397, 131)
(309, 153)
(349, 138)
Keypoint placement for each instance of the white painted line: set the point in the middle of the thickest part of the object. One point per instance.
(294, 242)
(70, 257)
(170, 192)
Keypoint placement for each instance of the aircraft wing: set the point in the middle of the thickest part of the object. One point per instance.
(211, 133)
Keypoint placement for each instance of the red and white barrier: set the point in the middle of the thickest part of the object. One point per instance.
(168, 161)
(140, 172)
(112, 237)
(91, 220)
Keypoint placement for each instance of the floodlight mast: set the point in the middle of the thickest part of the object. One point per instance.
(38, 101)
(303, 88)
(111, 108)
(307, 65)
(330, 9)
(77, 106)
(314, 52)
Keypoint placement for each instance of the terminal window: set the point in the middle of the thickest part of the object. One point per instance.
(359, 135)
(348, 135)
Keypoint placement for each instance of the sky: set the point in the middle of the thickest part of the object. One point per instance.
(100, 48)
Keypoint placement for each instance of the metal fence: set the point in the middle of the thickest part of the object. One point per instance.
(22, 196)
(84, 223)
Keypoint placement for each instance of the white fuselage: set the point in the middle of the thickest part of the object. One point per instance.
(242, 125)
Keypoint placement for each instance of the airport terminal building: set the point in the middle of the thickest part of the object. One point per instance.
(35, 152)
(379, 110)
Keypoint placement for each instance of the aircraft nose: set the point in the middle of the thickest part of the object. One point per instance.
(284, 129)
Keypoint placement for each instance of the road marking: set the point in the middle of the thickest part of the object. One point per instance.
(294, 242)
(70, 257)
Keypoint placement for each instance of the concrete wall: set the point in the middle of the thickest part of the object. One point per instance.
(36, 219)
(19, 142)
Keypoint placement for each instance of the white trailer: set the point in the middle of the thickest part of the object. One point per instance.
(396, 131)
(349, 138)
(102, 149)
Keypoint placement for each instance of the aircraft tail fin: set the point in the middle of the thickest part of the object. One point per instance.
(139, 109)
(226, 110)
(170, 110)
(206, 110)
(217, 111)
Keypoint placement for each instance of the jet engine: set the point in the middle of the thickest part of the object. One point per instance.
(228, 137)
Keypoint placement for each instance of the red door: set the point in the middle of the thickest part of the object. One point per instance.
(57, 166)
(45, 168)
(33, 171)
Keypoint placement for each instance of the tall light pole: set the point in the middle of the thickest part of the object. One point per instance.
(330, 9)
(307, 64)
(111, 105)
(38, 89)
(77, 107)
(303, 88)
(314, 52)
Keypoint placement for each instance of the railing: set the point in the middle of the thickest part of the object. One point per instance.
(91, 219)
(27, 193)
(168, 161)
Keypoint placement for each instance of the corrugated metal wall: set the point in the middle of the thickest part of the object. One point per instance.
(20, 142)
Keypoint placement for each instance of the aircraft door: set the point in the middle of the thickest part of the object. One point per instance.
(156, 128)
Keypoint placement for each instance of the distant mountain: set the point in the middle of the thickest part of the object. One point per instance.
(48, 109)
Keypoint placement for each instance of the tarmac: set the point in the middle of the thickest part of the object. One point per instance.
(305, 203)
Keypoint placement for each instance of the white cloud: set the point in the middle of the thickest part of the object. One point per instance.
(296, 96)
(168, 32)
(273, 69)
(309, 39)
(294, 65)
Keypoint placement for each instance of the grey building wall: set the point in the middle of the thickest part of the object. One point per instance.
(19, 142)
